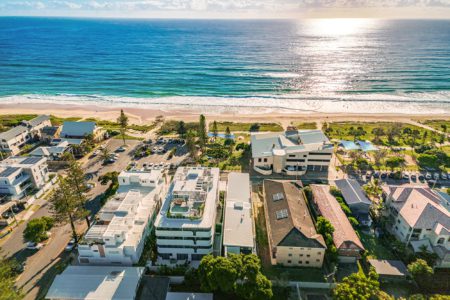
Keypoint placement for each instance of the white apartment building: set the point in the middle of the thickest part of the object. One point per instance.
(124, 222)
(13, 140)
(185, 225)
(416, 216)
(20, 174)
(238, 232)
(291, 152)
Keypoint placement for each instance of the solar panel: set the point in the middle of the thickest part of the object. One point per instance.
(8, 171)
(31, 160)
(282, 214)
(277, 196)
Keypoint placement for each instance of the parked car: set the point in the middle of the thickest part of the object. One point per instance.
(436, 176)
(428, 176)
(444, 176)
(376, 174)
(413, 176)
(71, 245)
(34, 246)
(421, 178)
(383, 175)
(405, 176)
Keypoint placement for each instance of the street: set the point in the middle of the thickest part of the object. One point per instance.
(39, 266)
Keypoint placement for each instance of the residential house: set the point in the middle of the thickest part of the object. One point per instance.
(291, 152)
(345, 238)
(125, 221)
(185, 226)
(238, 232)
(51, 152)
(293, 239)
(50, 132)
(416, 216)
(18, 175)
(79, 130)
(13, 140)
(356, 200)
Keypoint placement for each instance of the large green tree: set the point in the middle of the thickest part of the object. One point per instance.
(36, 229)
(202, 134)
(77, 180)
(181, 128)
(358, 286)
(123, 123)
(190, 144)
(65, 205)
(215, 130)
(421, 272)
(8, 274)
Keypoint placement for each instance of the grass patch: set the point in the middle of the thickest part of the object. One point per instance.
(438, 124)
(254, 127)
(8, 121)
(374, 247)
(171, 127)
(111, 125)
(378, 133)
(57, 121)
(306, 125)
(128, 137)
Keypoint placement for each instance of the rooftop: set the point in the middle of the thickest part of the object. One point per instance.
(78, 129)
(47, 151)
(96, 283)
(127, 214)
(37, 121)
(420, 207)
(389, 267)
(266, 144)
(21, 161)
(352, 191)
(191, 200)
(238, 224)
(13, 132)
(289, 221)
(331, 210)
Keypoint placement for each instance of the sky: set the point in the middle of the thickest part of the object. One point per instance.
(229, 8)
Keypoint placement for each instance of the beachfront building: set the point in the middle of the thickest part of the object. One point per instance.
(293, 240)
(292, 152)
(417, 217)
(13, 140)
(356, 200)
(81, 129)
(185, 226)
(345, 238)
(18, 175)
(238, 232)
(125, 221)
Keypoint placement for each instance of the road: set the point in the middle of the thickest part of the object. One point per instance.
(40, 265)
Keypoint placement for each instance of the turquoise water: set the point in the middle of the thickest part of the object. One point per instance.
(275, 64)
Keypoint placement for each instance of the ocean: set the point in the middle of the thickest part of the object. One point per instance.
(326, 65)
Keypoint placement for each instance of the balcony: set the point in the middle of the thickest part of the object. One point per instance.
(264, 170)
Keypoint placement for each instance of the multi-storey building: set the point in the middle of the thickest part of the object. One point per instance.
(124, 222)
(238, 231)
(292, 152)
(416, 216)
(293, 239)
(13, 140)
(21, 174)
(185, 226)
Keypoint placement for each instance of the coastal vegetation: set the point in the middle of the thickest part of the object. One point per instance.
(441, 125)
(251, 127)
(305, 125)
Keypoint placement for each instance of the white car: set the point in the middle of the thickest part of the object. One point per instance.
(34, 246)
(71, 245)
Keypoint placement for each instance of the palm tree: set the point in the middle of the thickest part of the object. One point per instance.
(123, 122)
(105, 154)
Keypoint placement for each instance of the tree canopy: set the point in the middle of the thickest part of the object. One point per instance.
(36, 229)
(123, 122)
(358, 286)
(8, 274)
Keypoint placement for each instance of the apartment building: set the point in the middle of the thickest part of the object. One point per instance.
(79, 130)
(125, 221)
(291, 152)
(238, 231)
(185, 226)
(417, 217)
(21, 174)
(13, 140)
(293, 239)
(345, 239)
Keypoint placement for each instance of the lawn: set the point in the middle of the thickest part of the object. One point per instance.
(111, 125)
(377, 132)
(374, 247)
(306, 125)
(254, 127)
(57, 121)
(8, 121)
(437, 124)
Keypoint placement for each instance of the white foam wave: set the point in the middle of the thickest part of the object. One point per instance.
(281, 75)
(436, 103)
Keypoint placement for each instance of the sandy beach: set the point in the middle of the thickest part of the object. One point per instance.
(145, 115)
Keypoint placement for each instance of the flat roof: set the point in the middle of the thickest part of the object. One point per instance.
(238, 223)
(96, 283)
(389, 267)
(209, 211)
(189, 296)
(13, 132)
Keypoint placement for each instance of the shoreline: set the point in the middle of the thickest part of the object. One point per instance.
(144, 115)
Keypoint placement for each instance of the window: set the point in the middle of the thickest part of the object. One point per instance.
(290, 254)
(265, 159)
(259, 159)
(300, 262)
(289, 261)
(318, 253)
(307, 255)
(440, 241)
(317, 260)
(307, 262)
(282, 214)
(301, 255)
(277, 196)
(291, 155)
